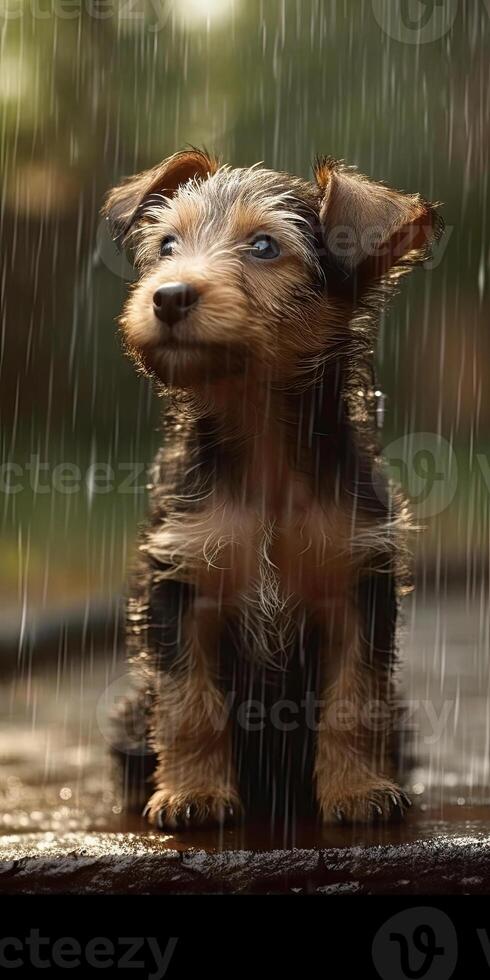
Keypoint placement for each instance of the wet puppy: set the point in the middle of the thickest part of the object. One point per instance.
(266, 593)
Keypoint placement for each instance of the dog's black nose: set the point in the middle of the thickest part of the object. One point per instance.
(173, 301)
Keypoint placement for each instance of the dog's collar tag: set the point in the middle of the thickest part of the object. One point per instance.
(380, 408)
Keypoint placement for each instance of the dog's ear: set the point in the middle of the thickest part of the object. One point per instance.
(368, 229)
(124, 204)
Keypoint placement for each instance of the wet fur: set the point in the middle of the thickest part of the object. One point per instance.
(274, 557)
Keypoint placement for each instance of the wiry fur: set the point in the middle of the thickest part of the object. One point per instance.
(275, 547)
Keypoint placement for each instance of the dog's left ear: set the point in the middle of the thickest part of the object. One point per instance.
(125, 204)
(368, 229)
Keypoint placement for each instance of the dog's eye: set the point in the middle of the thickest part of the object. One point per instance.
(264, 247)
(167, 246)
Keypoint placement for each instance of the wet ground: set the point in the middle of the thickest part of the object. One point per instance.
(62, 827)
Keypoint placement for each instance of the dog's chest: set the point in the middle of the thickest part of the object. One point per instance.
(229, 551)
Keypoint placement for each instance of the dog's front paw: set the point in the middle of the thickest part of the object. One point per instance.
(381, 801)
(181, 812)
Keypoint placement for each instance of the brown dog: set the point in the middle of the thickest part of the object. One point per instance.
(272, 562)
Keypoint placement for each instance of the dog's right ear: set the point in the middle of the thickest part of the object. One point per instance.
(125, 204)
(370, 230)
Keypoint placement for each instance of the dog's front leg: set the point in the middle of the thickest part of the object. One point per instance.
(352, 769)
(190, 731)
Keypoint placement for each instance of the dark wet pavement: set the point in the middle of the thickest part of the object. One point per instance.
(62, 827)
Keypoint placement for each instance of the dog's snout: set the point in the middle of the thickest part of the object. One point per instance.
(173, 301)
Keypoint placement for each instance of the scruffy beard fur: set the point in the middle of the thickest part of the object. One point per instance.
(275, 547)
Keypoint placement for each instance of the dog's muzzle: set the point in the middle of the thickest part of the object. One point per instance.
(173, 301)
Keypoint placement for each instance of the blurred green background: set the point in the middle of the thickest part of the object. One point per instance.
(91, 91)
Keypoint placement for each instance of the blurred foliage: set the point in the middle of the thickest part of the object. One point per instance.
(91, 91)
